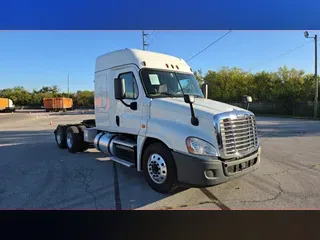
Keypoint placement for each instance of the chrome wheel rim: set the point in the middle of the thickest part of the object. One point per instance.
(157, 168)
(69, 139)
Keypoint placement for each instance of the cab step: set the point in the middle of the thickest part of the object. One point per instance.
(122, 161)
(125, 143)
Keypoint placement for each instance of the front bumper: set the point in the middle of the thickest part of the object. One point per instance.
(195, 171)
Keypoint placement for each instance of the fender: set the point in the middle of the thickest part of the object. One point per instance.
(173, 134)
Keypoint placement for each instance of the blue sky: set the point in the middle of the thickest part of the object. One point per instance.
(36, 58)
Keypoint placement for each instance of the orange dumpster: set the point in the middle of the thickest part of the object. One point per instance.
(56, 104)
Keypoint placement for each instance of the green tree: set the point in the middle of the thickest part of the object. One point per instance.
(229, 84)
(199, 76)
(84, 98)
(285, 88)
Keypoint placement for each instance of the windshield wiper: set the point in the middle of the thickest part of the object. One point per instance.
(179, 95)
(195, 95)
(168, 94)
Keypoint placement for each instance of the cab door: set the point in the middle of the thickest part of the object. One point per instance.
(128, 120)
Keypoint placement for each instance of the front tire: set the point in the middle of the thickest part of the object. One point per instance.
(73, 139)
(159, 168)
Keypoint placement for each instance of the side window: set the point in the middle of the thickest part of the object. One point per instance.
(131, 85)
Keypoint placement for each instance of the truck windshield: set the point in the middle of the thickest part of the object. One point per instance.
(170, 84)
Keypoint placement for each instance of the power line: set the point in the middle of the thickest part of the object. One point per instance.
(284, 54)
(151, 40)
(209, 45)
(146, 36)
(151, 33)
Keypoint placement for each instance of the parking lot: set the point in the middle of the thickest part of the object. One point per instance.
(35, 173)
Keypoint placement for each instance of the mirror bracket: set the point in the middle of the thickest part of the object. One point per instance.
(124, 103)
(194, 121)
(132, 106)
(190, 99)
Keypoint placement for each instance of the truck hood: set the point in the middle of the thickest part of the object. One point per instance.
(204, 108)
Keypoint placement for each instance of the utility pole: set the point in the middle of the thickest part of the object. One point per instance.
(316, 75)
(68, 85)
(144, 44)
(306, 34)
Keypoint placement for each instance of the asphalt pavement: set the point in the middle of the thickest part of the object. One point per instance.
(35, 173)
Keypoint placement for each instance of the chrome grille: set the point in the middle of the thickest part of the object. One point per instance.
(238, 135)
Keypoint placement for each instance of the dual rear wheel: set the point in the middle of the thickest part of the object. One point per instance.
(157, 161)
(71, 137)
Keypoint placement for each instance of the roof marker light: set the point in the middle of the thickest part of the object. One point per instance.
(177, 67)
(167, 65)
(172, 66)
(143, 63)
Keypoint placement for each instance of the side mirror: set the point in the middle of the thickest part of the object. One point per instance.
(120, 93)
(246, 99)
(119, 88)
(204, 89)
(188, 99)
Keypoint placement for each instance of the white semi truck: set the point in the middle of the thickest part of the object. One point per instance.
(151, 114)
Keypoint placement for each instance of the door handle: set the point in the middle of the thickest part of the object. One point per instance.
(118, 121)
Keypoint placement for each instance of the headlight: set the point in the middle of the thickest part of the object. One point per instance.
(200, 147)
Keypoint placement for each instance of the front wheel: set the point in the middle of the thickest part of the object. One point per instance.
(159, 168)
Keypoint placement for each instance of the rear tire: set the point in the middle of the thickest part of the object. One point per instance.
(60, 136)
(159, 168)
(84, 145)
(73, 139)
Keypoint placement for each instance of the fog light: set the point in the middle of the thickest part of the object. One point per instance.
(209, 174)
